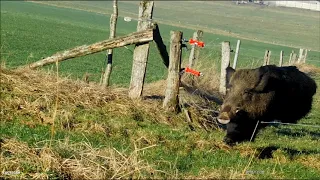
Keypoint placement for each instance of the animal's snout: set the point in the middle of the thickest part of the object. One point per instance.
(224, 117)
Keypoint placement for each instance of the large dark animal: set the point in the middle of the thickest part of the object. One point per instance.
(264, 94)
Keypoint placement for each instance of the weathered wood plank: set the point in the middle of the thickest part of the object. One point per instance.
(133, 38)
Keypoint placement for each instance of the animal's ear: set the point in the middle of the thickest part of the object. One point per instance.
(267, 80)
(230, 72)
(262, 83)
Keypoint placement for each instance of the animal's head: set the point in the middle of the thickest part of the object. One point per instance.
(249, 94)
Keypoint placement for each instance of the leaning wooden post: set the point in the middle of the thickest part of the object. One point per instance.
(171, 100)
(194, 53)
(281, 59)
(300, 55)
(141, 51)
(225, 62)
(133, 38)
(113, 26)
(236, 55)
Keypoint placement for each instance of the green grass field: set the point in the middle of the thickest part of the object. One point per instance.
(101, 134)
(28, 28)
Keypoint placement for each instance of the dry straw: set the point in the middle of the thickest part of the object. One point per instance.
(45, 98)
(48, 98)
(87, 163)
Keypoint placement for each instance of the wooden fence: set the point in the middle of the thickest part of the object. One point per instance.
(146, 32)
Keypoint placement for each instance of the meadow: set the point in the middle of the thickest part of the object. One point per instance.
(28, 28)
(59, 127)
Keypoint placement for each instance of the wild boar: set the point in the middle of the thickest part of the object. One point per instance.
(267, 93)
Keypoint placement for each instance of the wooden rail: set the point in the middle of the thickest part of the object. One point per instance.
(133, 38)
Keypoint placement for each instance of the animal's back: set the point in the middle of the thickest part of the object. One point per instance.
(294, 93)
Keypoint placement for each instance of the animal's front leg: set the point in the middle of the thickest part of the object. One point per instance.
(233, 134)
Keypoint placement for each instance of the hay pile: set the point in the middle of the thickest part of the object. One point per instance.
(86, 162)
(38, 94)
(45, 98)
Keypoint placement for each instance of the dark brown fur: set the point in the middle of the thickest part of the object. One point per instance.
(266, 93)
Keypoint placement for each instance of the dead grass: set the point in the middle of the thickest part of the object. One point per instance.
(34, 92)
(31, 95)
(308, 68)
(209, 82)
(310, 161)
(17, 156)
(86, 163)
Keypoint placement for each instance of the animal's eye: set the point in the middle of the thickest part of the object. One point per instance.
(248, 92)
(247, 95)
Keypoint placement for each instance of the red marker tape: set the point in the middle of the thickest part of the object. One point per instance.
(192, 71)
(197, 43)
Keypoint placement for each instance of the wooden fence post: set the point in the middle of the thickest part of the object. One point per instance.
(236, 55)
(194, 53)
(305, 56)
(294, 58)
(281, 59)
(141, 51)
(267, 57)
(290, 58)
(171, 100)
(113, 26)
(300, 55)
(225, 62)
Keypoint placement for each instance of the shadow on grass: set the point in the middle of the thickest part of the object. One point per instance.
(267, 152)
(293, 133)
(154, 97)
